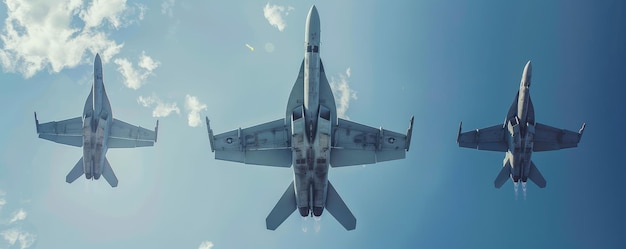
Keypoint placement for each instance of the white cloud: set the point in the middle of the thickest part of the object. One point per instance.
(206, 245)
(167, 7)
(193, 107)
(13, 235)
(343, 93)
(19, 215)
(60, 34)
(2, 200)
(161, 108)
(135, 78)
(274, 15)
(101, 10)
(147, 63)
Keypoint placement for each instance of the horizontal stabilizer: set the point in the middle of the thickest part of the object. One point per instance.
(76, 172)
(536, 176)
(504, 175)
(283, 209)
(339, 210)
(108, 174)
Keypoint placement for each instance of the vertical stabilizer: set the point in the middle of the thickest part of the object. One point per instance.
(504, 175)
(283, 209)
(339, 210)
(108, 174)
(536, 176)
(76, 172)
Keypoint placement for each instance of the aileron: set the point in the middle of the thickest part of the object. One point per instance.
(491, 138)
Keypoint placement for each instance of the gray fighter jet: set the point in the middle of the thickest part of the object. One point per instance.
(310, 138)
(519, 136)
(96, 131)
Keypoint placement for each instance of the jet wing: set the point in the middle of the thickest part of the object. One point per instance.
(490, 138)
(125, 135)
(550, 138)
(357, 144)
(68, 131)
(265, 144)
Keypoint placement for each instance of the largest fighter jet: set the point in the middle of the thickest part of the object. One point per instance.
(519, 136)
(310, 137)
(96, 131)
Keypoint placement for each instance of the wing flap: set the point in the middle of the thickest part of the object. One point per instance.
(283, 209)
(265, 144)
(550, 138)
(357, 144)
(491, 138)
(125, 135)
(67, 131)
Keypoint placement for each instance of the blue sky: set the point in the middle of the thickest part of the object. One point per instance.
(442, 61)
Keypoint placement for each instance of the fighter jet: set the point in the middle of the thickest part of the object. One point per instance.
(519, 136)
(310, 137)
(96, 131)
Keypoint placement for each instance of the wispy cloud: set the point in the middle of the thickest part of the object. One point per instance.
(12, 231)
(161, 108)
(18, 215)
(61, 34)
(275, 15)
(206, 245)
(22, 238)
(135, 78)
(100, 10)
(2, 200)
(343, 93)
(167, 7)
(194, 107)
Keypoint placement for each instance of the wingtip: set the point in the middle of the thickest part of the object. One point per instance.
(36, 123)
(409, 133)
(156, 131)
(459, 134)
(210, 131)
(582, 129)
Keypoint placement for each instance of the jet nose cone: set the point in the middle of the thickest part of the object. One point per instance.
(312, 31)
(313, 13)
(313, 19)
(97, 61)
(528, 67)
(527, 75)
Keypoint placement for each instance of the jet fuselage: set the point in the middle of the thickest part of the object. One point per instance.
(311, 126)
(97, 119)
(521, 127)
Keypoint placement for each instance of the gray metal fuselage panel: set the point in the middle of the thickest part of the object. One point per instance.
(97, 121)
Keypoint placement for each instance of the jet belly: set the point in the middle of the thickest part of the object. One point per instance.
(520, 150)
(311, 163)
(94, 146)
(311, 85)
